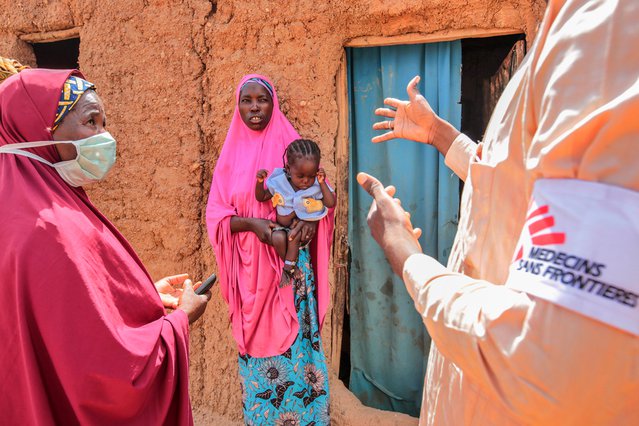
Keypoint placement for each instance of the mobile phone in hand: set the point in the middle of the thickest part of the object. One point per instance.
(206, 285)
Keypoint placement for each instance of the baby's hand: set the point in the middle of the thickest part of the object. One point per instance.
(321, 175)
(261, 175)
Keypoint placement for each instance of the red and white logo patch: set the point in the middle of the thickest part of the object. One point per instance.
(539, 228)
(579, 248)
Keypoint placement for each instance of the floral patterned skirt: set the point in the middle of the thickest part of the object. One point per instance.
(292, 388)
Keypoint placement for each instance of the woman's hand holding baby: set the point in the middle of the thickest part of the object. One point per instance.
(263, 228)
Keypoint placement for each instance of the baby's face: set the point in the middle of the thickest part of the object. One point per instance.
(302, 172)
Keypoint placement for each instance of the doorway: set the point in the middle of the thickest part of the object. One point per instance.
(384, 343)
(389, 344)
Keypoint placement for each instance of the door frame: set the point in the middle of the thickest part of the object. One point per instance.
(339, 291)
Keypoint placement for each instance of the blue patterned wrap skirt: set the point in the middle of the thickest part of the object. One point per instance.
(292, 388)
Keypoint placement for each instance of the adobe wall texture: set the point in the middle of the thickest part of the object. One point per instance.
(167, 70)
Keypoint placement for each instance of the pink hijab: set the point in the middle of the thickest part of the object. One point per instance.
(85, 337)
(262, 315)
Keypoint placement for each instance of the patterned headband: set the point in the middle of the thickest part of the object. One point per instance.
(261, 82)
(72, 90)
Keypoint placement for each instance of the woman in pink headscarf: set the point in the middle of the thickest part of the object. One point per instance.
(277, 329)
(86, 338)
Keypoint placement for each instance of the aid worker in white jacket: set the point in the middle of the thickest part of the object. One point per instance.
(535, 319)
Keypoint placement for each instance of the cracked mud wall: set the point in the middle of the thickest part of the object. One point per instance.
(167, 71)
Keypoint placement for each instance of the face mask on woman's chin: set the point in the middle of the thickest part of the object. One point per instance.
(96, 156)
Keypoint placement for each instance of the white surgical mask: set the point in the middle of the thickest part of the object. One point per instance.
(96, 156)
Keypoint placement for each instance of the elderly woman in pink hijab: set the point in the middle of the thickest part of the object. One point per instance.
(87, 339)
(277, 329)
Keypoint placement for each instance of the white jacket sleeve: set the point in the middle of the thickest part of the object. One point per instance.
(473, 323)
(459, 154)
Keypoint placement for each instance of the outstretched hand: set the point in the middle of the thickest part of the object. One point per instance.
(414, 119)
(389, 223)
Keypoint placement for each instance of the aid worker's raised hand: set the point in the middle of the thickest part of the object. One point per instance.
(390, 224)
(414, 119)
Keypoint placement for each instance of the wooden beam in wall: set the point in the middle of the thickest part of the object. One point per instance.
(339, 291)
(51, 36)
(416, 38)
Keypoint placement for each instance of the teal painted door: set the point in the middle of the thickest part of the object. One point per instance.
(389, 343)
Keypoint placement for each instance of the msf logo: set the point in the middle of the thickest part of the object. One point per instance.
(539, 226)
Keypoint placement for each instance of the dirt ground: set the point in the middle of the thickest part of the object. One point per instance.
(167, 70)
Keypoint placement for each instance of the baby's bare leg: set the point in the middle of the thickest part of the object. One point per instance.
(290, 260)
(279, 241)
(293, 248)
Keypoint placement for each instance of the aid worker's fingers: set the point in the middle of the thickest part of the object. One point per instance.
(390, 190)
(417, 232)
(394, 103)
(373, 186)
(386, 112)
(412, 89)
(383, 125)
(385, 137)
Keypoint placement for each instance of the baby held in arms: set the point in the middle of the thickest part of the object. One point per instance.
(298, 192)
